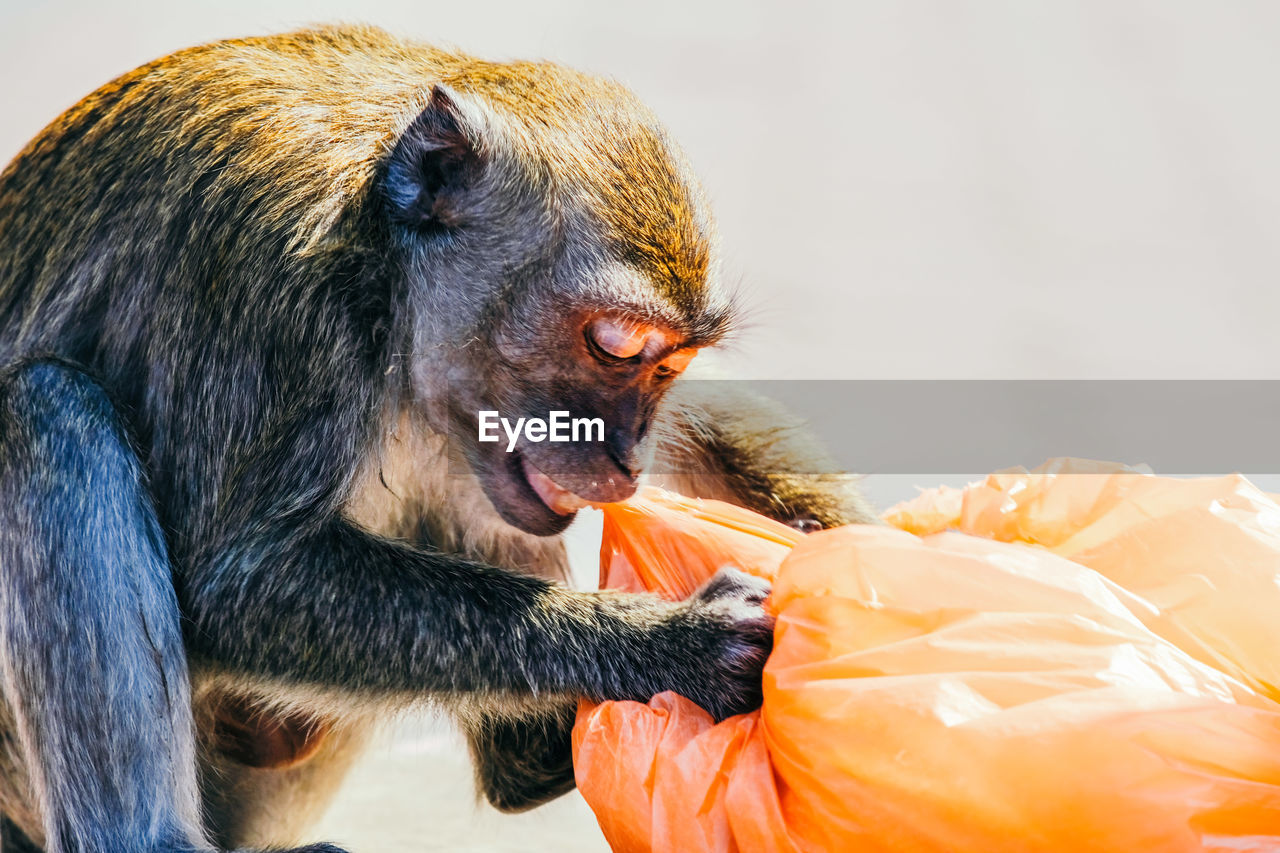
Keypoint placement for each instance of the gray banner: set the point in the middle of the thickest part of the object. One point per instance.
(947, 427)
(942, 426)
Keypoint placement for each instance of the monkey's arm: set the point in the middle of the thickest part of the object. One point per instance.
(719, 439)
(334, 606)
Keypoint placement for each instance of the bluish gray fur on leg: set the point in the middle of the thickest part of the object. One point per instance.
(91, 658)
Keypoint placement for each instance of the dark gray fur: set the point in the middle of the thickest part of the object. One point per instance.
(232, 284)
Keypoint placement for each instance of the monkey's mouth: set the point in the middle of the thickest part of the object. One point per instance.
(528, 498)
(525, 497)
(558, 499)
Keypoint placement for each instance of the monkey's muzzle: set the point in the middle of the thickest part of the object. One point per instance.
(557, 498)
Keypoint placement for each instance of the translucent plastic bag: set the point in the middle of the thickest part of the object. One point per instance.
(1103, 679)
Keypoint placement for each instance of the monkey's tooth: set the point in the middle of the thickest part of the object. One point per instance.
(556, 497)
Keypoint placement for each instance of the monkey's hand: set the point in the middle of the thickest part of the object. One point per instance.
(723, 635)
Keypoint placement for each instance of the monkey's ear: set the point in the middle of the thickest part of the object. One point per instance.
(433, 164)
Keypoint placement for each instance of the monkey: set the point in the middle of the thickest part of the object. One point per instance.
(252, 297)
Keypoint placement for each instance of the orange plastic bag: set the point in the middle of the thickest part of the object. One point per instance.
(1055, 661)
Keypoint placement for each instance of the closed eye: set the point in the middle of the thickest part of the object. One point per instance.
(603, 356)
(617, 338)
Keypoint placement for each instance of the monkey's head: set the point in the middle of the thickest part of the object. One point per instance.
(559, 257)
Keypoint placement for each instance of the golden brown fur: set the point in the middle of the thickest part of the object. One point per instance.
(213, 244)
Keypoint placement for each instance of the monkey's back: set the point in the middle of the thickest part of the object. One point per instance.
(190, 173)
(197, 235)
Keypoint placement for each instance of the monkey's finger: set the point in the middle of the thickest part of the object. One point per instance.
(731, 582)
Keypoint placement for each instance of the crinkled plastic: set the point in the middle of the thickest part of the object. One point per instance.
(1052, 661)
(669, 544)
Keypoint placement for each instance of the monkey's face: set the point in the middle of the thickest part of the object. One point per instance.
(572, 429)
(551, 400)
(554, 305)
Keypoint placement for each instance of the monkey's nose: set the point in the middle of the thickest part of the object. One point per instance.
(600, 488)
(623, 449)
(608, 489)
(589, 474)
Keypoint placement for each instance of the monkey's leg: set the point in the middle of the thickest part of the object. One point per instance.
(91, 657)
(12, 840)
(719, 439)
(523, 763)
